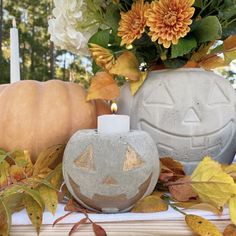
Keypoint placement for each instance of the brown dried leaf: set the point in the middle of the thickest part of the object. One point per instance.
(171, 170)
(61, 218)
(173, 165)
(127, 65)
(201, 226)
(230, 230)
(76, 226)
(103, 86)
(150, 204)
(98, 230)
(73, 206)
(182, 190)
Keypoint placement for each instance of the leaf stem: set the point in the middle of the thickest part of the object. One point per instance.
(168, 201)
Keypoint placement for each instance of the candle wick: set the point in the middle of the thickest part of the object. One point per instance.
(14, 22)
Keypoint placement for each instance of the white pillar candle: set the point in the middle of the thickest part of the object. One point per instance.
(15, 58)
(108, 124)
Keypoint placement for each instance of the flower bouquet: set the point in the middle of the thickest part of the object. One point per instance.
(126, 39)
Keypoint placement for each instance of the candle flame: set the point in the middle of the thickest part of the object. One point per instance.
(14, 22)
(114, 108)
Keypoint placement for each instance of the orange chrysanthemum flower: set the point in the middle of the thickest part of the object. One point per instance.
(133, 22)
(169, 20)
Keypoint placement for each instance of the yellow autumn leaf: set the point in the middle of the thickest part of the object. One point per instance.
(152, 203)
(4, 173)
(127, 65)
(199, 206)
(22, 159)
(135, 85)
(102, 56)
(203, 50)
(230, 169)
(34, 211)
(232, 209)
(47, 158)
(103, 86)
(201, 226)
(230, 48)
(49, 197)
(212, 184)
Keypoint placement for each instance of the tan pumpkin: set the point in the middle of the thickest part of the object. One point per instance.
(35, 115)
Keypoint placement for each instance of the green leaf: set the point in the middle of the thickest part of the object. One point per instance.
(101, 38)
(112, 16)
(175, 63)
(184, 46)
(208, 29)
(35, 212)
(49, 197)
(5, 219)
(198, 3)
(33, 194)
(95, 67)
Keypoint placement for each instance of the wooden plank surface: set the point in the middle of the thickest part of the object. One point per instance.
(136, 228)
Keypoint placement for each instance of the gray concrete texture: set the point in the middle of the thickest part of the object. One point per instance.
(110, 172)
(190, 113)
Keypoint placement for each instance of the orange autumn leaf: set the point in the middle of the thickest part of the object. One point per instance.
(211, 62)
(230, 43)
(182, 190)
(127, 65)
(230, 230)
(103, 86)
(149, 204)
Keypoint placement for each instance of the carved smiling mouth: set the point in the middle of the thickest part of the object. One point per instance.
(110, 203)
(190, 147)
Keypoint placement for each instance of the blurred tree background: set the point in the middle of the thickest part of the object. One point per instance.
(39, 59)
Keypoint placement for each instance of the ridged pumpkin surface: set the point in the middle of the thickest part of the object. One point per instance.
(35, 115)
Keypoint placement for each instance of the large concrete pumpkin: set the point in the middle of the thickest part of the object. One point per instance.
(190, 113)
(35, 115)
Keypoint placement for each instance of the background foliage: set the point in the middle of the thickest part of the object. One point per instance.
(39, 58)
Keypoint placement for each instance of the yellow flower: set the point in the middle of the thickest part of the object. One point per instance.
(102, 56)
(133, 22)
(169, 20)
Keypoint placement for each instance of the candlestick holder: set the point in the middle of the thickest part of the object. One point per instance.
(110, 172)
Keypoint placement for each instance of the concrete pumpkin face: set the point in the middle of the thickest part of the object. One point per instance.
(189, 113)
(110, 173)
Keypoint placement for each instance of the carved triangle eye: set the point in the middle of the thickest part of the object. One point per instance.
(217, 96)
(86, 160)
(160, 96)
(132, 160)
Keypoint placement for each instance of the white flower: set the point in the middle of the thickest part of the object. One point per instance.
(72, 25)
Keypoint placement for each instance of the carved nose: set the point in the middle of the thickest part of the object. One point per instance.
(109, 180)
(191, 116)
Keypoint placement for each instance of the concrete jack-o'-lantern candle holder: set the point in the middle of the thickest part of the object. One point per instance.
(110, 172)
